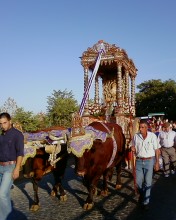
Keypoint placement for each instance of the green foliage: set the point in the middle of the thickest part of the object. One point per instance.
(27, 120)
(61, 105)
(156, 96)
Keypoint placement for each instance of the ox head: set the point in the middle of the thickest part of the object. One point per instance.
(54, 144)
(79, 146)
(88, 158)
(80, 166)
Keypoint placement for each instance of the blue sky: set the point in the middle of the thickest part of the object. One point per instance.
(41, 42)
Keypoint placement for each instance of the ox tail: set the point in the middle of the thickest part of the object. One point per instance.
(134, 128)
(134, 172)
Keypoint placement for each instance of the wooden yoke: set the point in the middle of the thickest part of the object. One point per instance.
(77, 125)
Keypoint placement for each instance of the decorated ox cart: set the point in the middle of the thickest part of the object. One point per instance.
(99, 130)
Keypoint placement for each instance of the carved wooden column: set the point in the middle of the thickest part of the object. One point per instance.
(127, 90)
(96, 90)
(133, 94)
(119, 89)
(86, 80)
(119, 109)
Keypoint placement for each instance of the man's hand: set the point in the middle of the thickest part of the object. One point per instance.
(156, 166)
(16, 173)
(133, 149)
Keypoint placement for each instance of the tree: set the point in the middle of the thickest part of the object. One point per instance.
(156, 96)
(28, 121)
(43, 120)
(61, 105)
(9, 106)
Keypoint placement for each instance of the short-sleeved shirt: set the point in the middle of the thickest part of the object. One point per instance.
(145, 147)
(167, 139)
(11, 145)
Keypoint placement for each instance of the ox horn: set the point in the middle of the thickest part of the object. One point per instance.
(53, 138)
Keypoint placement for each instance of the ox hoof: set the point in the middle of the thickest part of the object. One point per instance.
(63, 198)
(34, 208)
(104, 193)
(118, 186)
(88, 206)
(53, 193)
(81, 173)
(95, 192)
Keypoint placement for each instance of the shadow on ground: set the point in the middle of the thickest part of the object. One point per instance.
(118, 205)
(163, 200)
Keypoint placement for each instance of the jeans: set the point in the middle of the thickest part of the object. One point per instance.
(6, 182)
(144, 175)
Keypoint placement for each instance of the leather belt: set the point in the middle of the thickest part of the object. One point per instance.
(7, 163)
(167, 147)
(144, 158)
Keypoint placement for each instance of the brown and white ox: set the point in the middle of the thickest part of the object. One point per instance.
(45, 160)
(101, 158)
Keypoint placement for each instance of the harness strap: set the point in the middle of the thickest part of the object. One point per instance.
(114, 146)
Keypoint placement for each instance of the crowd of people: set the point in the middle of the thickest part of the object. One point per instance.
(156, 124)
(165, 131)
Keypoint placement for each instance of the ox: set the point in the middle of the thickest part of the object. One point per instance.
(100, 159)
(50, 156)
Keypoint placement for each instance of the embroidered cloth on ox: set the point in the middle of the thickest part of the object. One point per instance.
(58, 133)
(77, 145)
(33, 141)
(42, 135)
(96, 134)
(35, 136)
(29, 151)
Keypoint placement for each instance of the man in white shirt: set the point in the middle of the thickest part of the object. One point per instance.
(167, 140)
(145, 146)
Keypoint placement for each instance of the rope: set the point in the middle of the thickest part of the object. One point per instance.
(59, 158)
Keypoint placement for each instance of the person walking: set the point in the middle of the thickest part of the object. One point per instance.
(11, 155)
(145, 146)
(167, 140)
